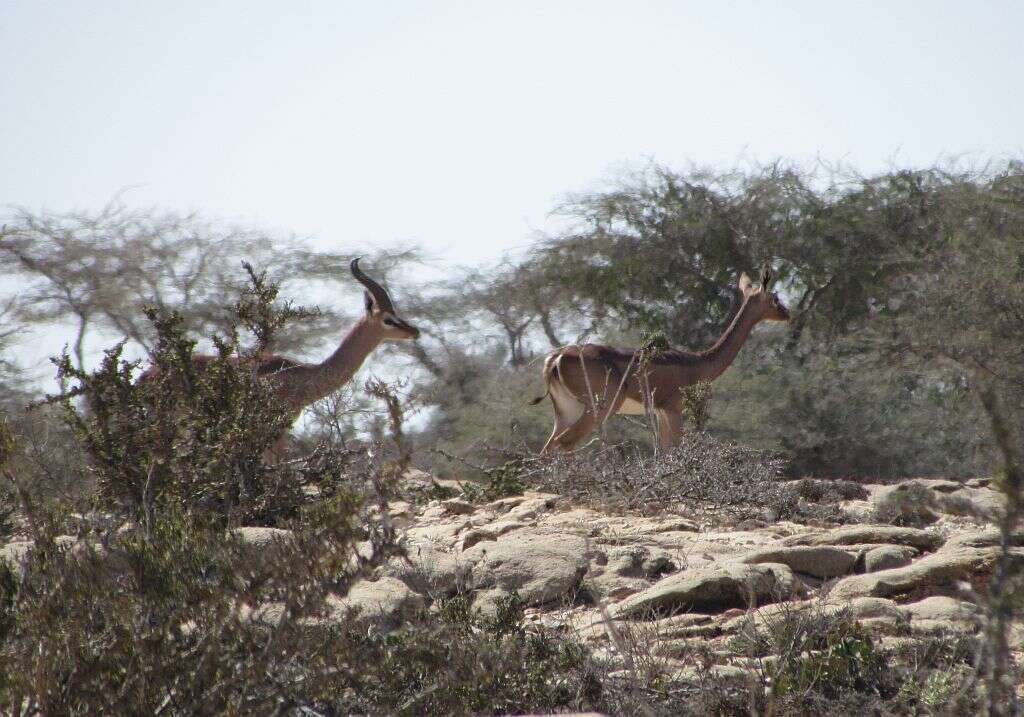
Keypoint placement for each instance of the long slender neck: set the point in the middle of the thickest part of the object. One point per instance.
(338, 369)
(717, 358)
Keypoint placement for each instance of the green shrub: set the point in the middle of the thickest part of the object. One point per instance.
(149, 609)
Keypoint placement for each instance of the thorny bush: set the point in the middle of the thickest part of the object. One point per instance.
(701, 471)
(191, 437)
(149, 607)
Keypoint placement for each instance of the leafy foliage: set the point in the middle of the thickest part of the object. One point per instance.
(153, 594)
(907, 329)
(188, 437)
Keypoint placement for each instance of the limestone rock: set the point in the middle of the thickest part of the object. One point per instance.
(988, 538)
(457, 506)
(621, 571)
(431, 571)
(488, 532)
(941, 614)
(941, 568)
(711, 589)
(882, 534)
(983, 503)
(541, 567)
(865, 610)
(821, 561)
(885, 557)
(381, 603)
(443, 534)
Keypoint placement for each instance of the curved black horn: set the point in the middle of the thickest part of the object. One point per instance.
(766, 276)
(375, 289)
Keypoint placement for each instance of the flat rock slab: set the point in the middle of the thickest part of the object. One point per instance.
(982, 503)
(442, 534)
(711, 589)
(457, 506)
(886, 557)
(541, 567)
(491, 531)
(882, 534)
(940, 607)
(381, 603)
(988, 538)
(821, 561)
(431, 571)
(861, 609)
(941, 615)
(941, 568)
(923, 497)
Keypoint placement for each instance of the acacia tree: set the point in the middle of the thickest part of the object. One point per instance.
(965, 306)
(98, 270)
(661, 251)
(12, 392)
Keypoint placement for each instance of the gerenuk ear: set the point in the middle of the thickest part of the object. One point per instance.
(746, 287)
(368, 300)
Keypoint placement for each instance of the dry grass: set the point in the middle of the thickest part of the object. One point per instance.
(702, 472)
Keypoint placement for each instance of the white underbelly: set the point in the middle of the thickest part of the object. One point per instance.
(566, 404)
(631, 407)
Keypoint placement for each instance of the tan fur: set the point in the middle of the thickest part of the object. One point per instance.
(590, 382)
(299, 383)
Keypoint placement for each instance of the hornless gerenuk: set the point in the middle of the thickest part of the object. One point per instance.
(590, 382)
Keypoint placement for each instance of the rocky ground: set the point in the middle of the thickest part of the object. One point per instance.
(683, 578)
(682, 582)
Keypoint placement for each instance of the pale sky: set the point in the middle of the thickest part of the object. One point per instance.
(460, 124)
